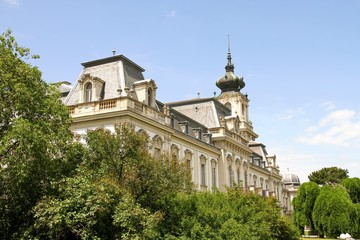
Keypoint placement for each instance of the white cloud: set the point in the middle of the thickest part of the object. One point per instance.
(340, 128)
(302, 162)
(291, 113)
(328, 105)
(12, 3)
(297, 161)
(172, 13)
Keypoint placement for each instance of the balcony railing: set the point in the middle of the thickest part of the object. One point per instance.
(113, 105)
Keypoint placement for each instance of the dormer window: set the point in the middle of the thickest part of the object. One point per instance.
(145, 91)
(228, 105)
(91, 88)
(184, 126)
(88, 92)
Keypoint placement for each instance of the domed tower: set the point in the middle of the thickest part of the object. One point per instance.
(291, 180)
(230, 82)
(232, 97)
(291, 183)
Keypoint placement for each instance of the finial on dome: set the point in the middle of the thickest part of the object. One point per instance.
(230, 82)
(229, 67)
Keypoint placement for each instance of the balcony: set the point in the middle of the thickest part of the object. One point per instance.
(115, 105)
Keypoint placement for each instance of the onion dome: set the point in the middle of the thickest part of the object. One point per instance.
(230, 82)
(291, 179)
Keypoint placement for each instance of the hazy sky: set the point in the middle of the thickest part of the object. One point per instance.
(300, 61)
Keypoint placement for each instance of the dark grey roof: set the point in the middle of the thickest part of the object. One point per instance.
(117, 73)
(258, 147)
(206, 111)
(112, 59)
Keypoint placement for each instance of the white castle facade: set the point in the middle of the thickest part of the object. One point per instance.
(214, 136)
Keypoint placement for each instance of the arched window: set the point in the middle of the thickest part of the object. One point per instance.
(88, 92)
(188, 160)
(143, 134)
(228, 105)
(203, 171)
(231, 175)
(213, 174)
(150, 96)
(158, 144)
(174, 152)
(255, 181)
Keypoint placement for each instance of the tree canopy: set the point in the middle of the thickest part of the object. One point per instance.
(328, 175)
(34, 133)
(334, 212)
(304, 203)
(116, 193)
(231, 215)
(331, 208)
(353, 187)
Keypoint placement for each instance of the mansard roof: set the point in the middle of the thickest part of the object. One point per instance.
(117, 72)
(206, 111)
(181, 118)
(258, 148)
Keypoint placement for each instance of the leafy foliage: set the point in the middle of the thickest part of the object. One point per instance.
(304, 203)
(353, 186)
(334, 213)
(125, 156)
(92, 208)
(233, 215)
(34, 133)
(115, 193)
(328, 175)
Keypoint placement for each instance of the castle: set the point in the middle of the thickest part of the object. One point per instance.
(213, 136)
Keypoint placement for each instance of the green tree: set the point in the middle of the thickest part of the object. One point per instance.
(328, 175)
(232, 215)
(304, 203)
(34, 133)
(125, 156)
(353, 186)
(116, 193)
(334, 213)
(92, 207)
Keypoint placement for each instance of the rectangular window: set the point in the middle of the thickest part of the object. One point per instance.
(231, 173)
(157, 153)
(203, 179)
(245, 179)
(213, 173)
(188, 164)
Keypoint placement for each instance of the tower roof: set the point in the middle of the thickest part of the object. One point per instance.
(291, 179)
(230, 82)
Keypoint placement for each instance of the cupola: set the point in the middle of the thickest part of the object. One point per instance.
(291, 179)
(230, 82)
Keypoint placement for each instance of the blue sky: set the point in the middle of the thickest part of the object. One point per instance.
(300, 61)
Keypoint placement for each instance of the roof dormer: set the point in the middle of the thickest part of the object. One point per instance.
(91, 88)
(146, 91)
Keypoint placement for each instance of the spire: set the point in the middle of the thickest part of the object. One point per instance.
(230, 82)
(229, 67)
